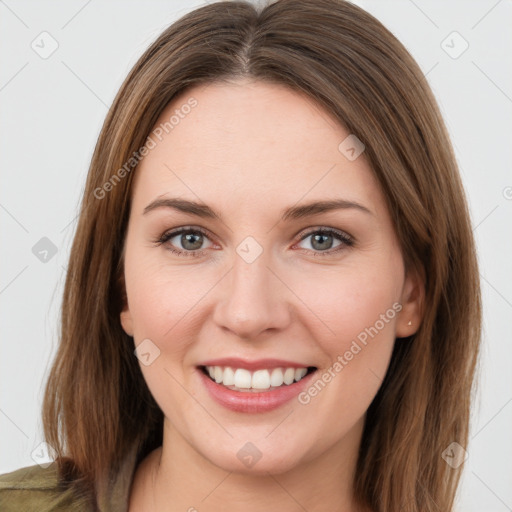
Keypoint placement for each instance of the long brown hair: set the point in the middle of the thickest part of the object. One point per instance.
(97, 405)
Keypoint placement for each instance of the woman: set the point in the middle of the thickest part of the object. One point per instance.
(272, 300)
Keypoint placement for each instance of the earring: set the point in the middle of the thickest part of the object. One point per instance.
(410, 323)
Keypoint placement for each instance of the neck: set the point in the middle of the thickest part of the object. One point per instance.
(175, 477)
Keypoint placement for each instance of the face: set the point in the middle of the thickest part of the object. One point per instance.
(262, 279)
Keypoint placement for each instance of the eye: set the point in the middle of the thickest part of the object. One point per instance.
(184, 241)
(188, 241)
(322, 240)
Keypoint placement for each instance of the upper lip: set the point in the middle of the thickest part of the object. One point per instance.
(257, 364)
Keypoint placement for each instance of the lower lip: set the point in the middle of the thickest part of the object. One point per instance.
(250, 401)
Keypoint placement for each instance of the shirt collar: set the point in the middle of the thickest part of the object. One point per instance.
(113, 494)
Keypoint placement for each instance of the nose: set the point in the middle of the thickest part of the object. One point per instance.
(253, 300)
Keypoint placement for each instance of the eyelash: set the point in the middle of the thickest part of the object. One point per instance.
(347, 241)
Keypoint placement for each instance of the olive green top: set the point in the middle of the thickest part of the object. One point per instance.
(36, 489)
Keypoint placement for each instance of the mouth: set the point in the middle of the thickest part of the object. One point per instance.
(259, 391)
(258, 381)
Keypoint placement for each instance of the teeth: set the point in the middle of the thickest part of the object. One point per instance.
(260, 379)
(228, 377)
(243, 379)
(299, 373)
(289, 375)
(277, 378)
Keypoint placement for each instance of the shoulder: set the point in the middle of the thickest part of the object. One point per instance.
(37, 488)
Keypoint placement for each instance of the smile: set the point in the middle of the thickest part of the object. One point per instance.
(241, 379)
(281, 385)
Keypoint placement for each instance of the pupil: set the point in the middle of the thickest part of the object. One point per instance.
(185, 239)
(316, 238)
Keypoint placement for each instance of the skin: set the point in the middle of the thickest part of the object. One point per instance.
(249, 150)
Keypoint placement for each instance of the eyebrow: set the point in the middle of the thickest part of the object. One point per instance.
(293, 212)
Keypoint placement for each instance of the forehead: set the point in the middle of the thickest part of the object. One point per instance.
(251, 139)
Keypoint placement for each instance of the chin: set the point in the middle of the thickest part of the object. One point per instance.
(262, 467)
(251, 458)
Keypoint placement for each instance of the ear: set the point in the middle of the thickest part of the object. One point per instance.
(126, 321)
(125, 315)
(412, 299)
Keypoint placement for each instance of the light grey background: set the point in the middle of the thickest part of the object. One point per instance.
(51, 113)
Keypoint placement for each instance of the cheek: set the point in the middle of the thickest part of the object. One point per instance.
(352, 303)
(165, 302)
(358, 306)
(165, 305)
(159, 306)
